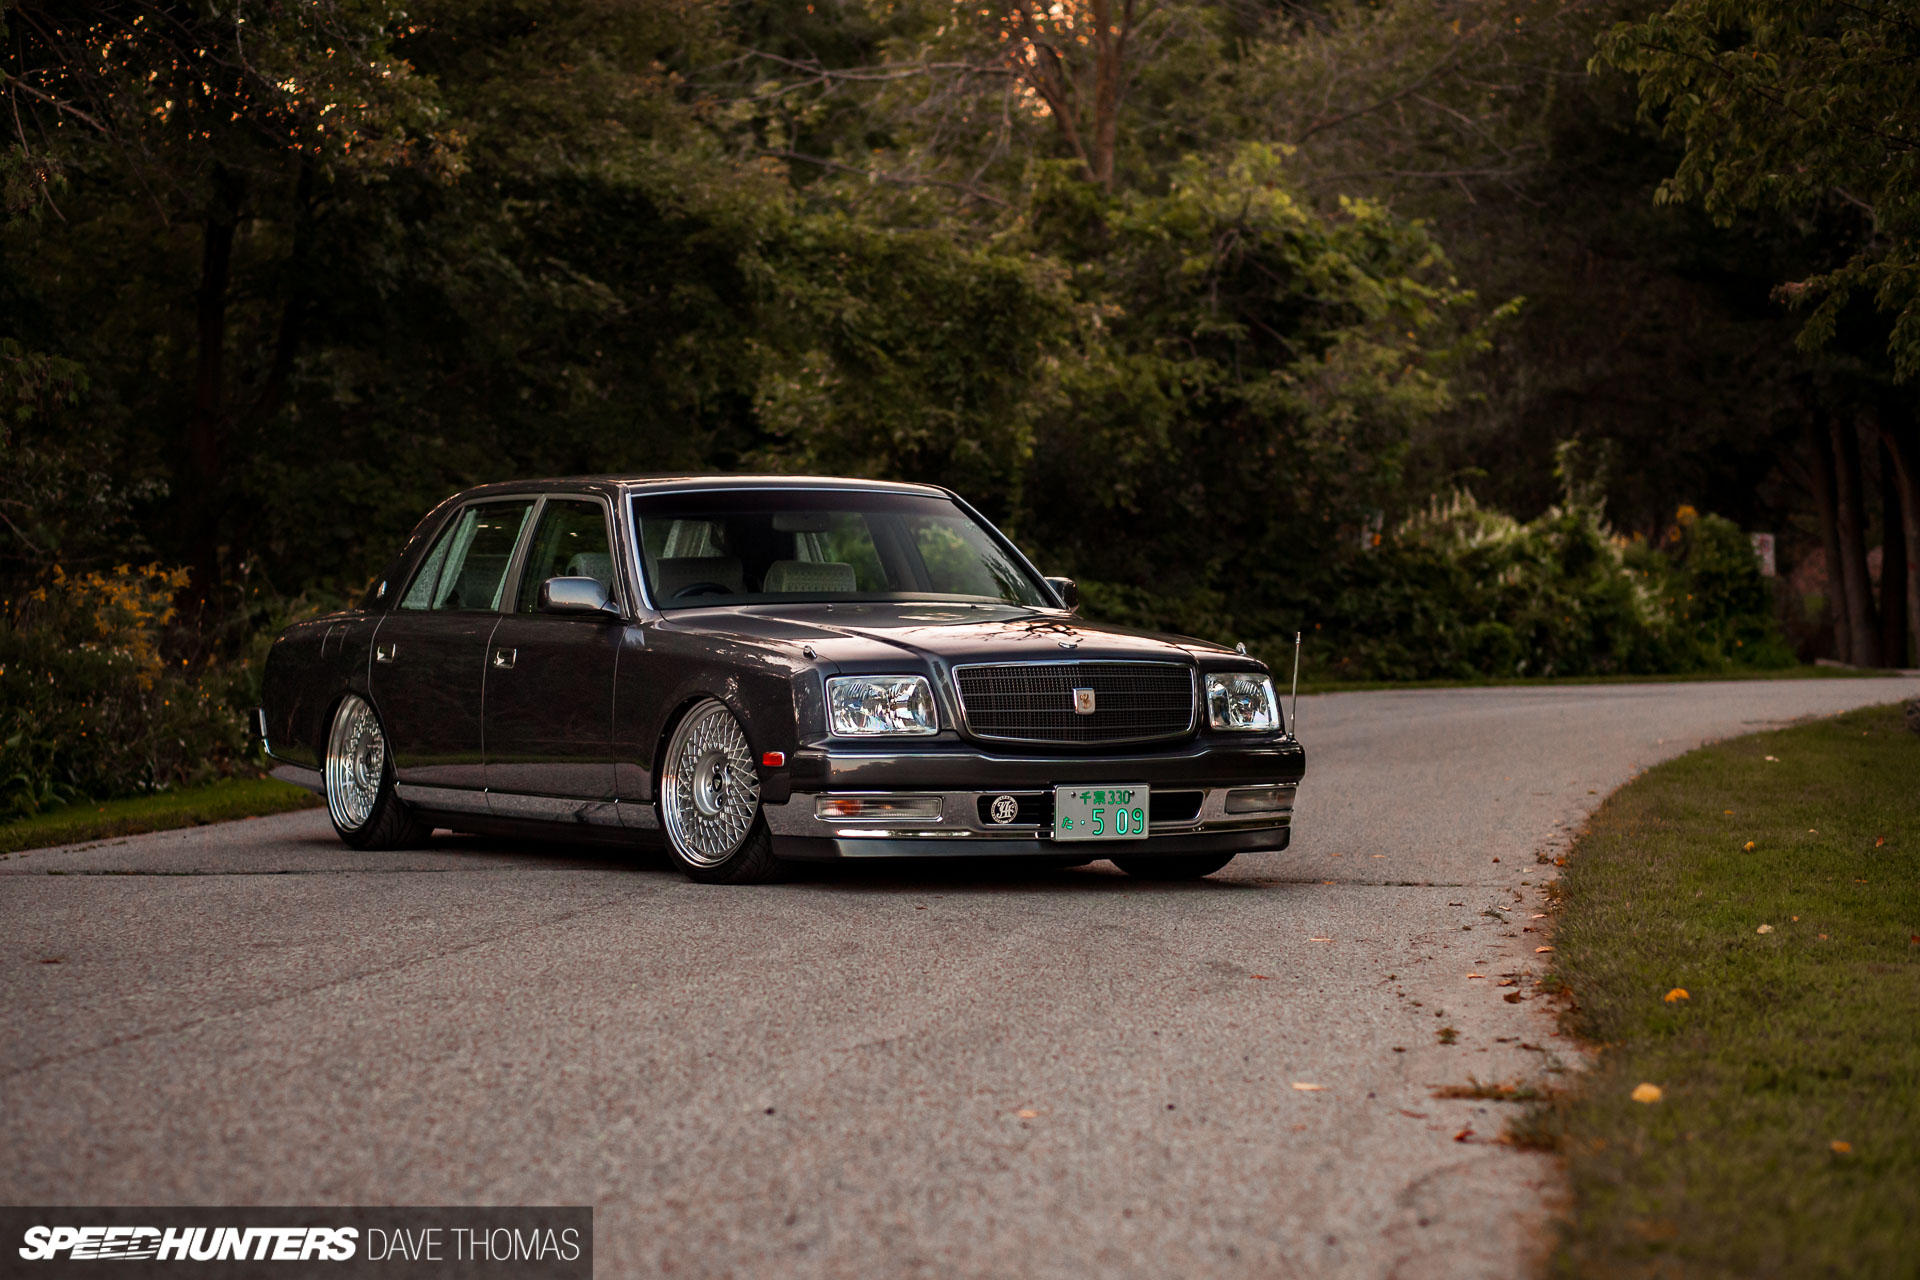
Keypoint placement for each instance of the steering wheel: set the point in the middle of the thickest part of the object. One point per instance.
(703, 589)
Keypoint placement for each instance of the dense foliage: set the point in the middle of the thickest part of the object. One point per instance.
(1217, 306)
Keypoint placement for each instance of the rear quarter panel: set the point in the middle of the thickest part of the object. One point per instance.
(310, 666)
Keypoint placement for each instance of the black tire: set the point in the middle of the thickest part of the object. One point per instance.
(752, 863)
(356, 740)
(709, 800)
(1177, 867)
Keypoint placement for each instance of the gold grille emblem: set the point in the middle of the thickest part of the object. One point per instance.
(1083, 701)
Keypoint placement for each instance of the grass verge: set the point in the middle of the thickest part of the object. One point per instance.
(191, 807)
(1773, 879)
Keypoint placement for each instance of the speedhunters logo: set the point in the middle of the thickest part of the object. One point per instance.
(414, 1243)
(198, 1244)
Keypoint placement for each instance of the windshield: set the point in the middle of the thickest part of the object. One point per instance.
(763, 546)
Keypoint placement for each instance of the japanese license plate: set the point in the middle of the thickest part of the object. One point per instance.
(1099, 813)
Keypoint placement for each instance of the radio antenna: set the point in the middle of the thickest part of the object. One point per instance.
(1293, 717)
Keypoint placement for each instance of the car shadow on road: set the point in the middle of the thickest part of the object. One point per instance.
(866, 876)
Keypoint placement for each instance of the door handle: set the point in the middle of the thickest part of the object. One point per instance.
(503, 658)
(385, 652)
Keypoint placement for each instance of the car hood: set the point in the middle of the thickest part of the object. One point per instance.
(859, 635)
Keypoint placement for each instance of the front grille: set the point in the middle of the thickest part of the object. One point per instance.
(1033, 701)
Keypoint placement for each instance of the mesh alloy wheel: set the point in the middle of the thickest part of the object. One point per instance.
(709, 789)
(359, 782)
(356, 763)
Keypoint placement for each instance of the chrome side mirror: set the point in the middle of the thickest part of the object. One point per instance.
(1068, 591)
(579, 597)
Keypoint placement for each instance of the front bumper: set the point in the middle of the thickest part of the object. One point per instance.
(957, 788)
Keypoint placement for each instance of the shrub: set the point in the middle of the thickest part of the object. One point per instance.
(89, 705)
(1458, 591)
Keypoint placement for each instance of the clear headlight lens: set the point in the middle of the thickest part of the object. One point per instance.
(866, 706)
(1242, 700)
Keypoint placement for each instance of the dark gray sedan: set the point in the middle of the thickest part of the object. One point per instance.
(763, 669)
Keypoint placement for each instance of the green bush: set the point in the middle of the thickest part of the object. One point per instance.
(89, 706)
(1459, 591)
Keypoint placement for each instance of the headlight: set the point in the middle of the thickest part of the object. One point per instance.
(1241, 700)
(863, 706)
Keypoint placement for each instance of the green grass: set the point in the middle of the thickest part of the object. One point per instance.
(192, 807)
(1789, 1041)
(1282, 666)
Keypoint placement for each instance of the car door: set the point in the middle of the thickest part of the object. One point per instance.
(430, 653)
(549, 679)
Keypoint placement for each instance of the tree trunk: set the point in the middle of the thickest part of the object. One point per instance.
(1903, 449)
(1820, 467)
(1849, 512)
(1893, 564)
(207, 411)
(1110, 80)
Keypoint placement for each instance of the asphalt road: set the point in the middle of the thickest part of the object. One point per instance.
(872, 1071)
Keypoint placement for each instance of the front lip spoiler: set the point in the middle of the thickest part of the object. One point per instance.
(832, 848)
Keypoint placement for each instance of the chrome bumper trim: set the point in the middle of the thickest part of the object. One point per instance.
(960, 817)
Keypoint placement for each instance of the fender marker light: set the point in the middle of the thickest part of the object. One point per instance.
(773, 759)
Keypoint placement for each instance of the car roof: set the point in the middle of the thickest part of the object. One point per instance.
(677, 482)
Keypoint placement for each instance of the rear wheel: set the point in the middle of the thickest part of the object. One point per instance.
(710, 801)
(359, 779)
(1174, 868)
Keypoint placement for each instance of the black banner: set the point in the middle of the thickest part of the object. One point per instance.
(412, 1243)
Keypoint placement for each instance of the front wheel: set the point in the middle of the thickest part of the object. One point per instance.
(366, 813)
(1173, 868)
(710, 801)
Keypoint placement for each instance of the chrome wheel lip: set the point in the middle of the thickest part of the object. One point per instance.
(709, 790)
(356, 763)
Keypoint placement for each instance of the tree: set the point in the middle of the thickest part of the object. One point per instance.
(212, 119)
(1796, 104)
(1804, 107)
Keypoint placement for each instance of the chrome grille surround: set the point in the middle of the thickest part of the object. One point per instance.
(1033, 702)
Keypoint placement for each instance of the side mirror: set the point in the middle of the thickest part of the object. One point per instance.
(1068, 591)
(579, 597)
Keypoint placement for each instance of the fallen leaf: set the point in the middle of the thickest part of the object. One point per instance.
(1319, 939)
(1465, 1135)
(1646, 1093)
(1476, 975)
(1877, 842)
(1416, 1115)
(1749, 846)
(1513, 997)
(1538, 950)
(1823, 937)
(1840, 1148)
(1775, 759)
(1793, 919)
(1539, 915)
(1261, 977)
(1027, 1113)
(1765, 928)
(1677, 994)
(1726, 811)
(1304, 1087)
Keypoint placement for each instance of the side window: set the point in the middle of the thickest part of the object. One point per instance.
(468, 564)
(569, 542)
